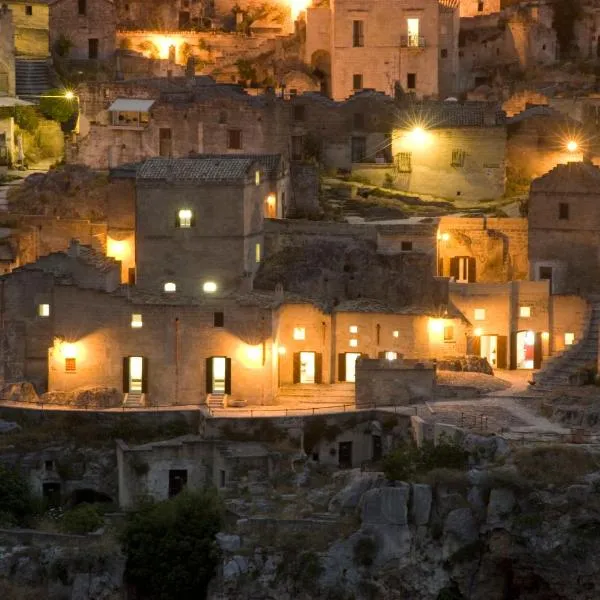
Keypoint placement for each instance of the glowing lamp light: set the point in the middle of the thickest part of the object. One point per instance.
(271, 199)
(281, 350)
(545, 335)
(69, 95)
(478, 332)
(444, 237)
(572, 146)
(117, 249)
(69, 350)
(418, 136)
(298, 6)
(436, 326)
(254, 353)
(209, 287)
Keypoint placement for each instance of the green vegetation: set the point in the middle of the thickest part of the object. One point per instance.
(170, 546)
(16, 503)
(55, 106)
(260, 12)
(84, 518)
(63, 46)
(246, 71)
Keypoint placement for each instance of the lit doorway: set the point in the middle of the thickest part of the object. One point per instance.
(528, 350)
(350, 359)
(489, 349)
(307, 367)
(136, 373)
(218, 379)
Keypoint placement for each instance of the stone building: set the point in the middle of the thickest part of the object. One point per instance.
(564, 228)
(165, 15)
(7, 56)
(90, 26)
(478, 8)
(387, 46)
(31, 27)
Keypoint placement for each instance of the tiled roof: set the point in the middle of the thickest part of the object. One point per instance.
(573, 177)
(271, 163)
(436, 115)
(222, 169)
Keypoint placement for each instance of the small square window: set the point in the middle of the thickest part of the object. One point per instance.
(406, 246)
(234, 139)
(569, 339)
(449, 333)
(185, 218)
(257, 177)
(136, 321)
(563, 211)
(525, 311)
(209, 287)
(219, 319)
(357, 81)
(444, 53)
(353, 328)
(49, 465)
(257, 252)
(299, 333)
(299, 113)
(391, 355)
(396, 333)
(458, 158)
(29, 10)
(353, 343)
(43, 310)
(170, 287)
(70, 365)
(479, 314)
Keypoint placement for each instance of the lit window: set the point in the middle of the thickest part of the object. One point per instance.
(136, 321)
(184, 218)
(70, 365)
(170, 287)
(525, 311)
(448, 333)
(479, 314)
(353, 328)
(257, 252)
(43, 310)
(257, 177)
(353, 343)
(299, 333)
(391, 355)
(569, 339)
(209, 287)
(396, 333)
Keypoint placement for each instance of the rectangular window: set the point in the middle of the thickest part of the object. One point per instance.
(82, 7)
(391, 355)
(353, 343)
(70, 365)
(29, 10)
(299, 113)
(297, 147)
(411, 81)
(358, 34)
(359, 149)
(359, 121)
(545, 273)
(458, 158)
(443, 53)
(222, 478)
(219, 319)
(357, 81)
(569, 339)
(480, 7)
(43, 310)
(234, 139)
(404, 162)
(299, 333)
(412, 26)
(563, 211)
(396, 333)
(257, 253)
(185, 218)
(136, 321)
(525, 312)
(257, 177)
(406, 246)
(449, 333)
(353, 329)
(177, 481)
(93, 48)
(479, 314)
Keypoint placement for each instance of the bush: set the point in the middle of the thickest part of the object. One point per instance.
(27, 118)
(16, 503)
(170, 546)
(84, 518)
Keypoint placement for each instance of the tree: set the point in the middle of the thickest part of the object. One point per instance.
(15, 497)
(27, 118)
(54, 105)
(260, 12)
(170, 546)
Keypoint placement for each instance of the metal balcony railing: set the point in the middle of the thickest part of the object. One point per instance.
(412, 41)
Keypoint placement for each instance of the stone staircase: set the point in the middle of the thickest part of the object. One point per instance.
(317, 393)
(134, 400)
(560, 369)
(216, 401)
(32, 76)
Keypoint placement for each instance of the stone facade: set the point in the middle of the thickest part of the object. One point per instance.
(478, 8)
(165, 15)
(32, 27)
(564, 232)
(89, 24)
(7, 58)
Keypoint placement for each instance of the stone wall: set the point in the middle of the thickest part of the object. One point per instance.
(31, 34)
(393, 382)
(305, 190)
(477, 8)
(7, 66)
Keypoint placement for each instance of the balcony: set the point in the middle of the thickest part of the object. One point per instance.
(412, 41)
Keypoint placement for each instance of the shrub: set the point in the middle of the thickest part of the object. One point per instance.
(84, 518)
(27, 118)
(365, 551)
(63, 46)
(56, 107)
(16, 503)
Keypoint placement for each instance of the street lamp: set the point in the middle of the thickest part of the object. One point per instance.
(572, 146)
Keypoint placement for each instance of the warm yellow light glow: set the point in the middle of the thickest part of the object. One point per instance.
(185, 218)
(445, 237)
(163, 44)
(136, 321)
(257, 177)
(271, 198)
(170, 287)
(396, 333)
(254, 352)
(69, 350)
(298, 6)
(545, 335)
(353, 328)
(572, 146)
(436, 326)
(117, 249)
(525, 311)
(391, 355)
(43, 310)
(209, 287)
(530, 338)
(569, 339)
(281, 350)
(478, 332)
(299, 333)
(69, 95)
(353, 343)
(418, 136)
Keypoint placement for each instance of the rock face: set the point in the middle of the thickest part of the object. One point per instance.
(89, 397)
(472, 364)
(348, 498)
(385, 506)
(20, 392)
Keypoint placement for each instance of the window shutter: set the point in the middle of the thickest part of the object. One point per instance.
(209, 375)
(318, 368)
(228, 376)
(176, 220)
(193, 219)
(296, 375)
(502, 351)
(454, 271)
(342, 367)
(476, 346)
(144, 375)
(440, 267)
(126, 375)
(471, 275)
(537, 351)
(513, 351)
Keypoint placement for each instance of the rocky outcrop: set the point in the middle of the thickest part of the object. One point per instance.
(89, 397)
(471, 364)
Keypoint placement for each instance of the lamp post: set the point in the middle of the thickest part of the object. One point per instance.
(68, 95)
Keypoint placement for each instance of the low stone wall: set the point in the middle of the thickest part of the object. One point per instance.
(32, 537)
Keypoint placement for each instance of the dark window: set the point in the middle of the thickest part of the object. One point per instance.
(165, 145)
(298, 113)
(51, 493)
(449, 333)
(377, 447)
(82, 7)
(93, 46)
(480, 6)
(357, 81)
(358, 34)
(545, 273)
(345, 455)
(219, 319)
(359, 149)
(458, 158)
(70, 365)
(49, 465)
(403, 162)
(411, 81)
(177, 481)
(29, 10)
(406, 246)
(444, 53)
(222, 478)
(234, 139)
(222, 117)
(131, 276)
(297, 147)
(563, 211)
(359, 121)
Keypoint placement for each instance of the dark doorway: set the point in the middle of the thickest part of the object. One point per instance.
(177, 481)
(51, 493)
(377, 447)
(345, 455)
(93, 48)
(88, 496)
(165, 144)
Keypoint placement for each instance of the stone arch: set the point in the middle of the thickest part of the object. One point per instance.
(321, 64)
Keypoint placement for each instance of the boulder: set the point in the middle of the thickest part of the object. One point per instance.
(228, 543)
(22, 391)
(485, 449)
(500, 505)
(235, 567)
(385, 506)
(420, 507)
(460, 525)
(348, 498)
